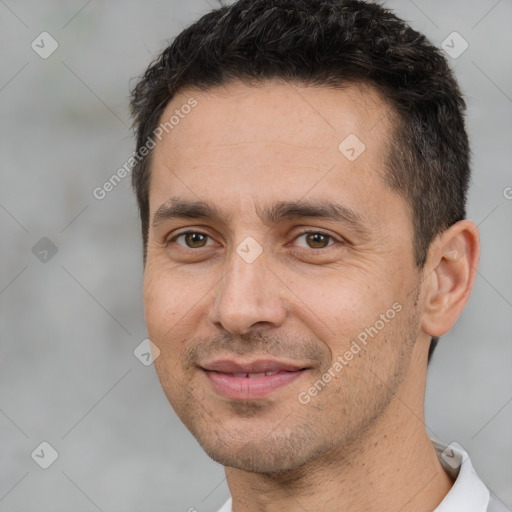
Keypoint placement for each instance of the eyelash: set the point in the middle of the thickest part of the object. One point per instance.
(306, 232)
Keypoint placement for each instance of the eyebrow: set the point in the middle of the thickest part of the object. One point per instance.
(177, 208)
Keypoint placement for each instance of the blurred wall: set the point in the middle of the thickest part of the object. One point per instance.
(71, 268)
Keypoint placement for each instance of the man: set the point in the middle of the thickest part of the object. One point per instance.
(302, 169)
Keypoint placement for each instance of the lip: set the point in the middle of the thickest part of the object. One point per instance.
(258, 366)
(228, 379)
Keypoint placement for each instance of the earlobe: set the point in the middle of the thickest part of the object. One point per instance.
(453, 260)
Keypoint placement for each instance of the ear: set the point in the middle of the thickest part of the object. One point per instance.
(451, 267)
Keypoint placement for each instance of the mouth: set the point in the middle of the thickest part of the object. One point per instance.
(250, 381)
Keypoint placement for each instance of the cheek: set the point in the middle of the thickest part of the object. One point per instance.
(162, 313)
(165, 304)
(159, 307)
(341, 304)
(175, 308)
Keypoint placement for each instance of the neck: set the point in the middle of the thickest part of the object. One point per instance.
(391, 466)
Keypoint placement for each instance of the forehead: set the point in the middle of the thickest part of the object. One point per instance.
(273, 139)
(314, 117)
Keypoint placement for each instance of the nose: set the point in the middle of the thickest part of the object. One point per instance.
(248, 297)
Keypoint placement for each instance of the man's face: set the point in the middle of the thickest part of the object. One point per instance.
(247, 291)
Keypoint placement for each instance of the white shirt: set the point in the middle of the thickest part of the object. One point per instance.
(468, 493)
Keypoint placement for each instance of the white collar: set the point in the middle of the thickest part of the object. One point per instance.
(468, 493)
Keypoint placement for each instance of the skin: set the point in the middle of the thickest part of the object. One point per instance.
(361, 442)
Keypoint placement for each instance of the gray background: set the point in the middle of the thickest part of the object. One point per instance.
(70, 324)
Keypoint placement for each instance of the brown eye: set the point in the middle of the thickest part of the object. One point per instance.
(192, 239)
(317, 240)
(314, 240)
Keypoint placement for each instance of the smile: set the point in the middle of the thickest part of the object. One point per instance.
(250, 381)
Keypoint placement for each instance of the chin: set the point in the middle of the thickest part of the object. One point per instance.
(260, 452)
(254, 460)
